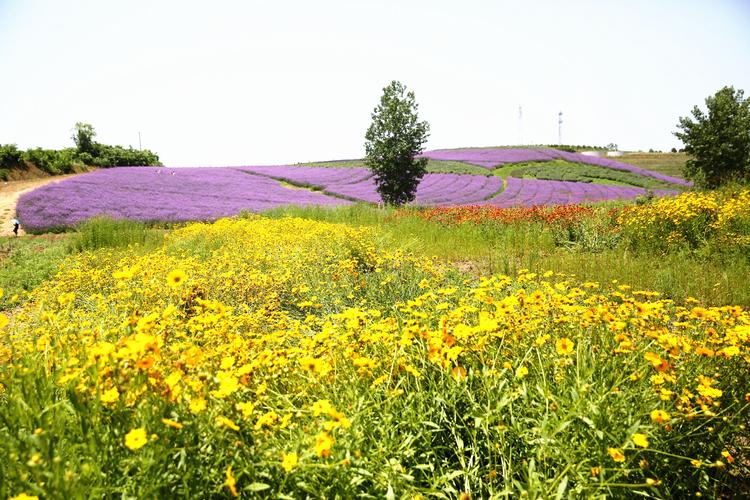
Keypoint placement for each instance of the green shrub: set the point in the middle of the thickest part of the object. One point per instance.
(118, 156)
(10, 156)
(54, 162)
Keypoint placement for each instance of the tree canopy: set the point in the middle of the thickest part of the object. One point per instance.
(83, 136)
(719, 141)
(393, 141)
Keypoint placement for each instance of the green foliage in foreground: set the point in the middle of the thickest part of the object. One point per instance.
(25, 263)
(560, 170)
(105, 232)
(523, 417)
(588, 249)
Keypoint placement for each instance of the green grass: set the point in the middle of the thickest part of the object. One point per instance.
(359, 214)
(671, 164)
(433, 166)
(26, 262)
(333, 164)
(103, 232)
(456, 167)
(561, 170)
(505, 171)
(499, 248)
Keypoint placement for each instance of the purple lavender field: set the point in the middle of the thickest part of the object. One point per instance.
(158, 194)
(457, 189)
(357, 184)
(528, 192)
(492, 157)
(154, 194)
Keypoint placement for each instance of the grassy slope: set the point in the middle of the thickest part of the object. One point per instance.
(26, 262)
(664, 163)
(577, 172)
(28, 171)
(435, 166)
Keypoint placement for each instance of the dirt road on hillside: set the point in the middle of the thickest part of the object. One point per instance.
(10, 191)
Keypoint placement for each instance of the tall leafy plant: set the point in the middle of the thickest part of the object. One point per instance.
(393, 141)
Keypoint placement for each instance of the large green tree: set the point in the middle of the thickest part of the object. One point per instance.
(83, 136)
(718, 142)
(393, 141)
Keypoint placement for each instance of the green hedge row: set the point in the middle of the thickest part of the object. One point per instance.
(63, 161)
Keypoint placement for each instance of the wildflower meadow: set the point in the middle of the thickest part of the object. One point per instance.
(290, 357)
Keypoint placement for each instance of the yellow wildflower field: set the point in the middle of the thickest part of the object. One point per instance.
(693, 219)
(292, 358)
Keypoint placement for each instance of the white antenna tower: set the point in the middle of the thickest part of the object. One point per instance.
(520, 126)
(559, 128)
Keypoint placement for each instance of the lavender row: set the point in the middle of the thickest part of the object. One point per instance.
(529, 192)
(358, 184)
(314, 176)
(616, 165)
(158, 194)
(493, 157)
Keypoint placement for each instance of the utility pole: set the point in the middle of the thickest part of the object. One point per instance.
(140, 148)
(559, 128)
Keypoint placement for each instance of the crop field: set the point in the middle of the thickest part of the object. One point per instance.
(493, 157)
(666, 163)
(501, 337)
(562, 170)
(357, 184)
(157, 194)
(203, 194)
(290, 357)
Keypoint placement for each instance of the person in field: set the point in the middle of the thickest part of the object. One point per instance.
(16, 224)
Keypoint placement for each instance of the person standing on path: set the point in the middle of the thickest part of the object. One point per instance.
(16, 224)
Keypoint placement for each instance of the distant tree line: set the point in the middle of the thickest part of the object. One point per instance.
(86, 153)
(574, 149)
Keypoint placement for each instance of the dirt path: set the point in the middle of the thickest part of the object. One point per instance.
(10, 191)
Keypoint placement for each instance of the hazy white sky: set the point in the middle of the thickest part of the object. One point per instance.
(265, 82)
